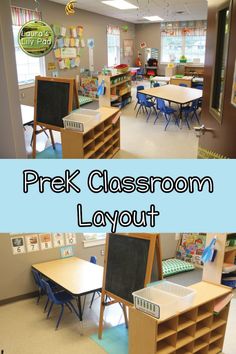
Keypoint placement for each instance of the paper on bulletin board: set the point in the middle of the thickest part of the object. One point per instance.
(18, 245)
(67, 251)
(32, 243)
(58, 239)
(70, 238)
(45, 241)
(91, 59)
(52, 66)
(233, 98)
(68, 53)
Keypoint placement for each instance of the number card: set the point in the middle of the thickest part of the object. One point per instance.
(67, 251)
(45, 241)
(32, 243)
(58, 239)
(70, 238)
(18, 245)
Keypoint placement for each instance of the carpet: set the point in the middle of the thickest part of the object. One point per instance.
(114, 340)
(84, 100)
(50, 153)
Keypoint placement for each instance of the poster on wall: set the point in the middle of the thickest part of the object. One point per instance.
(233, 98)
(128, 47)
(67, 251)
(68, 53)
(18, 245)
(70, 238)
(45, 241)
(32, 243)
(58, 239)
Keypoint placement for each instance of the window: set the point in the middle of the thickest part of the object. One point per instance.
(27, 67)
(94, 239)
(183, 41)
(113, 45)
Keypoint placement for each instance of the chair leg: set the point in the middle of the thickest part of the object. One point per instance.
(50, 310)
(46, 305)
(59, 319)
(91, 303)
(186, 119)
(157, 116)
(138, 110)
(149, 114)
(168, 121)
(74, 309)
(68, 306)
(136, 105)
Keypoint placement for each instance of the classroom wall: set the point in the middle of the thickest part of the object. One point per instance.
(15, 270)
(168, 245)
(95, 26)
(150, 34)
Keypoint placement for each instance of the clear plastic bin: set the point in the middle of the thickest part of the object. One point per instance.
(164, 299)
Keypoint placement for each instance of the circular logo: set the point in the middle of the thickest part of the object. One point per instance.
(36, 38)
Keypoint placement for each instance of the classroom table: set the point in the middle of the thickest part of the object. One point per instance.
(74, 275)
(176, 94)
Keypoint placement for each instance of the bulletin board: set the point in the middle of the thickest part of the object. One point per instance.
(191, 247)
(68, 45)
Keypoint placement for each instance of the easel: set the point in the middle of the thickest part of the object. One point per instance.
(154, 247)
(43, 122)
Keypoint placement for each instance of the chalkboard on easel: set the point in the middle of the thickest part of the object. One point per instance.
(128, 265)
(54, 99)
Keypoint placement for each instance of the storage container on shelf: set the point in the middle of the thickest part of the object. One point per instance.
(164, 299)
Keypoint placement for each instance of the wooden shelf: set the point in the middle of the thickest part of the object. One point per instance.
(230, 249)
(121, 83)
(194, 331)
(97, 140)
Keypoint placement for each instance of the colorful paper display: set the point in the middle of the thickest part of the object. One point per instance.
(32, 243)
(18, 245)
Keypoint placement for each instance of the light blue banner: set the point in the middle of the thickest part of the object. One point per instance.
(189, 211)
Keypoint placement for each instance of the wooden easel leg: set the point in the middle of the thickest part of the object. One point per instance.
(52, 138)
(102, 308)
(125, 315)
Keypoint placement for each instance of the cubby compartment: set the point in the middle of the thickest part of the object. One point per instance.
(203, 350)
(88, 138)
(203, 327)
(201, 343)
(109, 153)
(167, 345)
(187, 349)
(89, 150)
(221, 318)
(167, 328)
(217, 333)
(185, 336)
(216, 347)
(205, 311)
(187, 319)
(99, 141)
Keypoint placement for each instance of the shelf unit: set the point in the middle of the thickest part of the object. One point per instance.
(225, 254)
(197, 330)
(194, 70)
(118, 90)
(100, 139)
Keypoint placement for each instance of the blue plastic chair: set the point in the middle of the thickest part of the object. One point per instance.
(183, 85)
(139, 88)
(191, 109)
(156, 84)
(63, 298)
(166, 111)
(146, 105)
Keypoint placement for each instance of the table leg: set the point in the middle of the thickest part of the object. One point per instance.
(80, 308)
(181, 116)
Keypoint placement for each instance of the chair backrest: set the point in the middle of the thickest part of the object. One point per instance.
(183, 85)
(195, 104)
(156, 84)
(142, 99)
(36, 278)
(48, 290)
(139, 88)
(199, 87)
(161, 105)
(93, 259)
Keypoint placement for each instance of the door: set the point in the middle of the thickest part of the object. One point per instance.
(218, 111)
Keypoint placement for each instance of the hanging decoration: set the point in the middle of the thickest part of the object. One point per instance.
(70, 7)
(125, 28)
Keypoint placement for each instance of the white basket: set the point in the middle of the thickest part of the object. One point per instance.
(164, 299)
(77, 119)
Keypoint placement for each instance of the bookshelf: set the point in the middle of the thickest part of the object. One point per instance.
(118, 90)
(100, 139)
(194, 70)
(197, 330)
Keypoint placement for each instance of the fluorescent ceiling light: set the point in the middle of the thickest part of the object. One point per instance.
(120, 4)
(153, 18)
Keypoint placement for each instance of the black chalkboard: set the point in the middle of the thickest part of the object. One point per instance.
(126, 265)
(52, 102)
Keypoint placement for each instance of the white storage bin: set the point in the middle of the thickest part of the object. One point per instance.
(184, 296)
(155, 302)
(77, 119)
(164, 299)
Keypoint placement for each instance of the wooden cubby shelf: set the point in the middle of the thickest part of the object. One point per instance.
(100, 139)
(196, 330)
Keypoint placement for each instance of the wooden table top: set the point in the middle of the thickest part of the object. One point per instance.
(174, 93)
(206, 292)
(73, 274)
